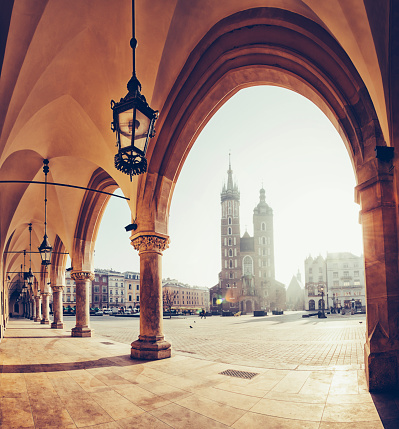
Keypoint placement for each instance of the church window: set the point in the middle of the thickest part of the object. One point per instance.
(247, 265)
(230, 252)
(231, 275)
(231, 263)
(310, 271)
(229, 231)
(229, 203)
(263, 226)
(229, 220)
(263, 240)
(229, 241)
(264, 263)
(263, 252)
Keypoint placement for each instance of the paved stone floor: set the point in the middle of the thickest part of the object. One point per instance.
(51, 380)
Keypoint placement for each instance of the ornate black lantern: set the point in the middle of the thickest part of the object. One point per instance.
(133, 122)
(45, 248)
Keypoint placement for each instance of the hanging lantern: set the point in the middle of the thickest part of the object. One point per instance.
(45, 248)
(133, 122)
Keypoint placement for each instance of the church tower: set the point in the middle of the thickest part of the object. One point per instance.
(230, 276)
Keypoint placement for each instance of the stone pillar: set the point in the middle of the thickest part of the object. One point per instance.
(58, 314)
(45, 308)
(83, 281)
(38, 312)
(33, 308)
(151, 343)
(379, 223)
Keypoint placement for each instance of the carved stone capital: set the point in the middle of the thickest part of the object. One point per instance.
(57, 288)
(150, 243)
(82, 275)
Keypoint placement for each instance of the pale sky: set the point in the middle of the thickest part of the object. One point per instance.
(278, 138)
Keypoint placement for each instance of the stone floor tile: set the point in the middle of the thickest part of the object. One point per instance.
(143, 421)
(111, 425)
(350, 399)
(180, 417)
(292, 382)
(362, 425)
(344, 382)
(289, 410)
(215, 410)
(142, 398)
(15, 413)
(318, 382)
(168, 392)
(50, 413)
(350, 413)
(244, 390)
(85, 411)
(116, 405)
(316, 398)
(260, 421)
(236, 400)
(268, 380)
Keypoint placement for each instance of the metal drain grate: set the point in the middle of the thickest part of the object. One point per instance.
(239, 374)
(107, 343)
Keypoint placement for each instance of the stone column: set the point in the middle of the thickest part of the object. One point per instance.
(83, 281)
(151, 343)
(33, 308)
(45, 308)
(38, 312)
(58, 314)
(379, 223)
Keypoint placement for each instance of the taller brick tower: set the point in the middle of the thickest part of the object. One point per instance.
(230, 276)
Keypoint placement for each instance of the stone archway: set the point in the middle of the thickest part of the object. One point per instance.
(273, 46)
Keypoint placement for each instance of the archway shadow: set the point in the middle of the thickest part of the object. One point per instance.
(123, 360)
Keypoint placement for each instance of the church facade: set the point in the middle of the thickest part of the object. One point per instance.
(247, 278)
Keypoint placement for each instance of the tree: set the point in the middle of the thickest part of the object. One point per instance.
(169, 297)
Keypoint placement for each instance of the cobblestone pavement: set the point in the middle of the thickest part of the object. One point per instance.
(281, 342)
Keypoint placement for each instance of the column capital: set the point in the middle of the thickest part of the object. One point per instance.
(57, 288)
(150, 242)
(82, 275)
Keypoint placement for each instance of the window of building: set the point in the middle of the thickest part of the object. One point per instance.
(356, 282)
(229, 241)
(263, 226)
(230, 252)
(137, 287)
(229, 230)
(345, 265)
(229, 220)
(231, 275)
(320, 270)
(96, 278)
(68, 299)
(104, 289)
(335, 275)
(230, 263)
(96, 298)
(320, 278)
(346, 283)
(110, 292)
(310, 278)
(336, 283)
(356, 273)
(228, 285)
(130, 297)
(68, 290)
(116, 284)
(97, 289)
(138, 299)
(310, 270)
(248, 268)
(110, 300)
(263, 240)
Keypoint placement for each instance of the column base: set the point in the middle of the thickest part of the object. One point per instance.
(79, 331)
(381, 370)
(57, 325)
(36, 319)
(150, 348)
(45, 322)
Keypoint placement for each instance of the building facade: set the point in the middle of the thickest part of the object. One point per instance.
(184, 297)
(247, 279)
(339, 277)
(109, 289)
(296, 293)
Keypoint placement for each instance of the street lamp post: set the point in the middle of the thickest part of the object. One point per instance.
(322, 315)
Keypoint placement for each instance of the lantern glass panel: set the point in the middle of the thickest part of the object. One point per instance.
(142, 124)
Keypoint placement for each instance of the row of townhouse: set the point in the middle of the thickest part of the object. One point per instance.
(337, 280)
(182, 297)
(109, 289)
